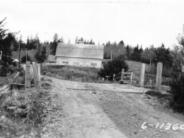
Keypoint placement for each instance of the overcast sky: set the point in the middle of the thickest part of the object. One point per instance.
(143, 22)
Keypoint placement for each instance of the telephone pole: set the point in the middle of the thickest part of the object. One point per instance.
(19, 51)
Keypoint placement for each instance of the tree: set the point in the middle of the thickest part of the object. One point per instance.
(121, 43)
(178, 59)
(33, 43)
(6, 41)
(148, 55)
(128, 52)
(163, 55)
(177, 85)
(2, 30)
(26, 58)
(136, 55)
(41, 54)
(53, 45)
(113, 67)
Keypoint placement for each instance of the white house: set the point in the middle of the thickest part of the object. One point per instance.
(83, 55)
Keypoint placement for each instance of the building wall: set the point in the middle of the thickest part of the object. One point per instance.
(80, 62)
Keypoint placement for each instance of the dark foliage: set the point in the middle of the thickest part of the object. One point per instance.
(6, 42)
(24, 59)
(136, 55)
(41, 55)
(177, 85)
(163, 55)
(54, 43)
(177, 90)
(113, 67)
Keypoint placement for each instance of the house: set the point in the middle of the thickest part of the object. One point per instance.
(81, 55)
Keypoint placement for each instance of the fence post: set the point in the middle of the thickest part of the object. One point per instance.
(28, 75)
(35, 73)
(122, 73)
(159, 75)
(143, 67)
(39, 72)
(182, 69)
(131, 78)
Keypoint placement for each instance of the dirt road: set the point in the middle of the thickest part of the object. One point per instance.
(110, 111)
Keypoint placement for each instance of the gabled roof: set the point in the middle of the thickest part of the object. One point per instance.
(79, 51)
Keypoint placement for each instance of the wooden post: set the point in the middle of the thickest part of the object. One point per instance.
(142, 76)
(19, 54)
(35, 74)
(36, 70)
(131, 78)
(1, 53)
(122, 73)
(39, 72)
(159, 75)
(182, 69)
(28, 75)
(114, 77)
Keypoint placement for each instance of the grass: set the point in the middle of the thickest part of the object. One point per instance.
(87, 74)
(23, 111)
(3, 81)
(73, 73)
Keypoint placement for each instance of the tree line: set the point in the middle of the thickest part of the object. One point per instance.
(148, 55)
(151, 55)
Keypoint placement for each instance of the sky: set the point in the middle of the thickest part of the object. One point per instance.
(143, 22)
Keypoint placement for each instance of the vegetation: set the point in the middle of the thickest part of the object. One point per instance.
(23, 112)
(73, 73)
(113, 67)
(148, 55)
(26, 58)
(177, 85)
(6, 42)
(177, 91)
(53, 45)
(41, 55)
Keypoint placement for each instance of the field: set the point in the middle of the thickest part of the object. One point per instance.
(72, 73)
(91, 74)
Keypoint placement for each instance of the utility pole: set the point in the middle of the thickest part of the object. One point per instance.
(19, 51)
(1, 53)
(111, 54)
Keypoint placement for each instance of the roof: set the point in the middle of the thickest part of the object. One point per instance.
(79, 51)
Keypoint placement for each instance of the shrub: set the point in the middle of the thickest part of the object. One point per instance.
(24, 111)
(40, 55)
(23, 59)
(177, 91)
(113, 67)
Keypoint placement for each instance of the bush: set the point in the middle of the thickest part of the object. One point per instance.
(177, 91)
(24, 111)
(113, 67)
(23, 59)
